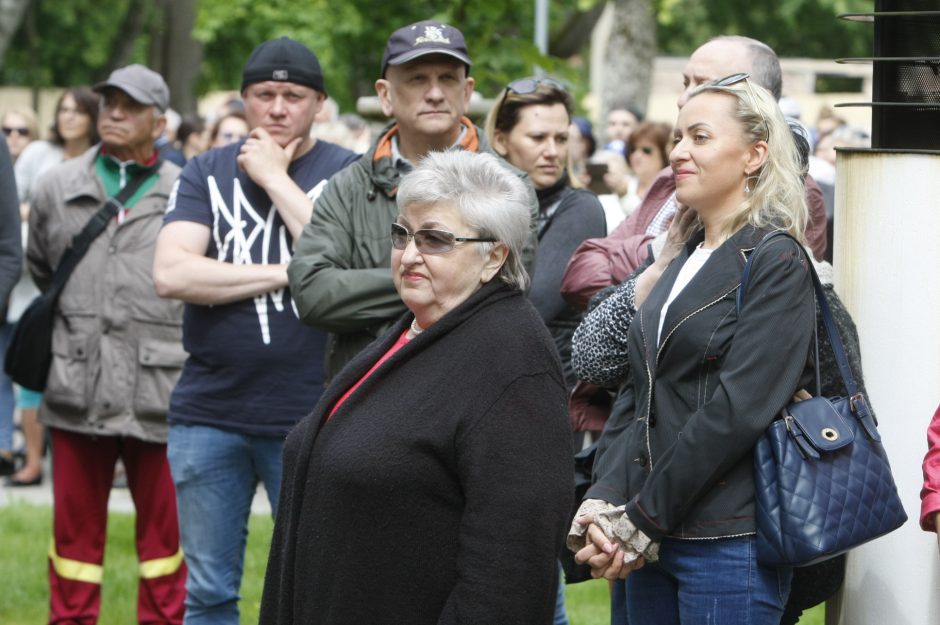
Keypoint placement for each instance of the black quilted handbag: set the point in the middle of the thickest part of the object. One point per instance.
(822, 480)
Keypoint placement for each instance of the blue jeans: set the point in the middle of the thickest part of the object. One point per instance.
(561, 615)
(216, 473)
(708, 581)
(6, 394)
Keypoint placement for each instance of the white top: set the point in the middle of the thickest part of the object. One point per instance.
(36, 159)
(688, 271)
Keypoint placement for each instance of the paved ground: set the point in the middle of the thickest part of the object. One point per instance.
(120, 500)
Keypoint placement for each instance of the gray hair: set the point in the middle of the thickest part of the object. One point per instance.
(765, 65)
(488, 197)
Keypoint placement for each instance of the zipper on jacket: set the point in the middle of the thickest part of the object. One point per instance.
(649, 375)
(689, 316)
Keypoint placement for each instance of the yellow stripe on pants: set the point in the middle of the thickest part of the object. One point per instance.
(159, 567)
(74, 569)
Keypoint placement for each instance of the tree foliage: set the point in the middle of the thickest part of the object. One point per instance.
(349, 38)
(793, 28)
(67, 42)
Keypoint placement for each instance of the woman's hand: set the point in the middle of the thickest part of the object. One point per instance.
(605, 557)
(681, 228)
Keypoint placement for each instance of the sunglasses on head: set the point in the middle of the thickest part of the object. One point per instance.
(23, 132)
(525, 86)
(733, 79)
(431, 241)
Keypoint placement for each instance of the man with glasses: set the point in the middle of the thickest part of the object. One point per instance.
(253, 369)
(599, 263)
(116, 353)
(340, 273)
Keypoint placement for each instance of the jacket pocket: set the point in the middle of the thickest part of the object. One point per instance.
(68, 375)
(158, 368)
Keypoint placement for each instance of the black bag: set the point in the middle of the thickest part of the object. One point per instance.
(822, 480)
(29, 353)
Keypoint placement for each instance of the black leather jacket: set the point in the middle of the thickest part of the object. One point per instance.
(705, 393)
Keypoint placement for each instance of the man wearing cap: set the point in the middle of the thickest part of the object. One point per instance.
(340, 274)
(116, 353)
(253, 369)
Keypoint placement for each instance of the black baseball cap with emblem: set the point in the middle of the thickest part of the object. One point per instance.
(422, 38)
(283, 60)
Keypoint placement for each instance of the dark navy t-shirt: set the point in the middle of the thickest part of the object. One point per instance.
(253, 366)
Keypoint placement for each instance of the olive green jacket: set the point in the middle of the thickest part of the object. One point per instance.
(340, 273)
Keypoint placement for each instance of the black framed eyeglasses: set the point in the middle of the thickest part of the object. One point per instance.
(23, 132)
(525, 86)
(431, 241)
(734, 79)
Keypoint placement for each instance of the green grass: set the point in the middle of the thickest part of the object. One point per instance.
(24, 600)
(26, 531)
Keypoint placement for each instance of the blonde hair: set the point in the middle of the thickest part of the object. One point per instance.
(777, 197)
(28, 115)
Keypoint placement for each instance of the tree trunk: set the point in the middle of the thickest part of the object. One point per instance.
(123, 46)
(11, 16)
(628, 58)
(182, 55)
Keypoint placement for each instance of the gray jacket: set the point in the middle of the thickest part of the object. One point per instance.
(117, 349)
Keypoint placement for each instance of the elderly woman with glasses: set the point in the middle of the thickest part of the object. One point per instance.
(675, 488)
(432, 482)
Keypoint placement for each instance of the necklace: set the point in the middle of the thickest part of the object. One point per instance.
(415, 328)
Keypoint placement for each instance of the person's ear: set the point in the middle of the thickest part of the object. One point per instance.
(383, 89)
(495, 258)
(500, 143)
(159, 125)
(756, 157)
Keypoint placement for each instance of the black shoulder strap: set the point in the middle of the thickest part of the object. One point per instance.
(834, 339)
(93, 229)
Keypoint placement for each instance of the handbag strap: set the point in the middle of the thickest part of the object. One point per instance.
(93, 229)
(834, 339)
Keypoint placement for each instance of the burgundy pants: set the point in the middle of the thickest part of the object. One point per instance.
(82, 473)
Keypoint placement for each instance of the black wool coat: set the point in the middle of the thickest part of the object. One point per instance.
(439, 491)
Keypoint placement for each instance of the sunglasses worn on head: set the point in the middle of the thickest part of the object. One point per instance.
(23, 132)
(431, 241)
(727, 81)
(525, 86)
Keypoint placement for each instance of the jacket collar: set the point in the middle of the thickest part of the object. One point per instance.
(720, 275)
(385, 175)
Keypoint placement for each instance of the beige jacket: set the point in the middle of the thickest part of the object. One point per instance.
(117, 347)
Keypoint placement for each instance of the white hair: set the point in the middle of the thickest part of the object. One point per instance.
(488, 197)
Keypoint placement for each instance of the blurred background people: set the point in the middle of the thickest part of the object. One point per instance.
(192, 136)
(581, 146)
(230, 128)
(19, 129)
(73, 131)
(621, 120)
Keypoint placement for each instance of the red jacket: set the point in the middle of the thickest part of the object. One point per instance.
(930, 493)
(599, 263)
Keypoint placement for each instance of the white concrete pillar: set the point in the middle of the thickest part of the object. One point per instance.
(887, 271)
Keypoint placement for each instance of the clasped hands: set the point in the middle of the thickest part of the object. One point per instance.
(607, 558)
